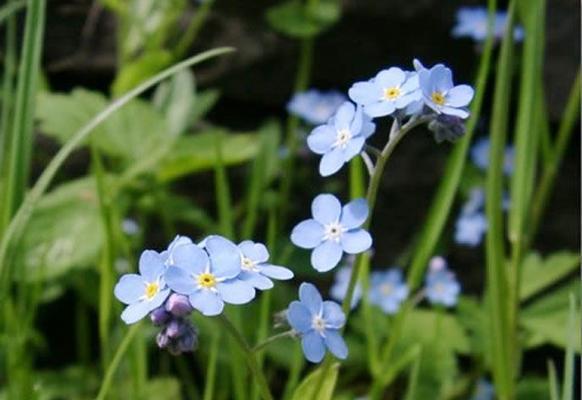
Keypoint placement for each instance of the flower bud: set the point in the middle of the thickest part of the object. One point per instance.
(159, 316)
(178, 305)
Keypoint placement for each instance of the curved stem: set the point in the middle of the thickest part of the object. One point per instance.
(250, 356)
(272, 339)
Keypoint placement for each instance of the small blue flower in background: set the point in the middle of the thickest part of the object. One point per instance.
(390, 90)
(341, 139)
(470, 228)
(480, 156)
(130, 227)
(255, 268)
(340, 285)
(333, 231)
(209, 280)
(388, 290)
(439, 92)
(314, 106)
(441, 285)
(484, 390)
(144, 292)
(319, 323)
(472, 23)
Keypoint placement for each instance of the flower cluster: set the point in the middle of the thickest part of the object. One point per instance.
(472, 22)
(189, 276)
(441, 285)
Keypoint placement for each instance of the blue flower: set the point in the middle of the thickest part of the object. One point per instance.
(332, 231)
(441, 285)
(255, 268)
(390, 90)
(314, 106)
(484, 390)
(209, 279)
(340, 285)
(341, 139)
(178, 241)
(480, 156)
(145, 292)
(388, 290)
(319, 323)
(472, 23)
(470, 228)
(439, 92)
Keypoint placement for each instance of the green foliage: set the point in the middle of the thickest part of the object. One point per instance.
(298, 20)
(314, 384)
(132, 73)
(538, 273)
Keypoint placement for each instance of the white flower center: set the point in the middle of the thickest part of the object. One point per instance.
(318, 323)
(342, 138)
(333, 231)
(247, 264)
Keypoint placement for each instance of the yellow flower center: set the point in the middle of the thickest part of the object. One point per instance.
(206, 280)
(438, 98)
(391, 93)
(151, 290)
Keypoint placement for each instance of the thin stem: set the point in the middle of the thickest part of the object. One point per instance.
(251, 360)
(272, 339)
(211, 370)
(368, 162)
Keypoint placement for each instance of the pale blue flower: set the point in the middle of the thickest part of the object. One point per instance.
(441, 285)
(388, 290)
(472, 23)
(145, 292)
(130, 227)
(314, 106)
(333, 231)
(209, 279)
(177, 242)
(319, 323)
(255, 268)
(470, 228)
(341, 139)
(390, 90)
(440, 94)
(480, 156)
(339, 289)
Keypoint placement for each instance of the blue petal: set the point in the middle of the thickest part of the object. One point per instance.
(333, 315)
(207, 302)
(380, 109)
(255, 251)
(365, 93)
(326, 256)
(313, 347)
(353, 148)
(344, 116)
(224, 257)
(307, 234)
(331, 162)
(310, 297)
(368, 128)
(335, 343)
(275, 271)
(460, 96)
(354, 214)
(356, 241)
(129, 288)
(356, 123)
(180, 280)
(457, 112)
(151, 265)
(392, 77)
(191, 258)
(321, 139)
(136, 311)
(256, 280)
(159, 298)
(299, 317)
(441, 78)
(326, 208)
(235, 291)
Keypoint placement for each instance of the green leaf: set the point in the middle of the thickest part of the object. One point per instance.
(196, 153)
(532, 388)
(175, 100)
(314, 382)
(65, 232)
(134, 72)
(297, 20)
(538, 274)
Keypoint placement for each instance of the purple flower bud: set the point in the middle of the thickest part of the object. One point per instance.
(178, 336)
(159, 316)
(162, 340)
(175, 328)
(178, 305)
(447, 127)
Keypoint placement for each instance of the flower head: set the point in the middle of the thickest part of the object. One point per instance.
(143, 292)
(255, 268)
(472, 22)
(340, 285)
(388, 290)
(341, 138)
(209, 276)
(441, 285)
(314, 106)
(319, 323)
(440, 94)
(390, 90)
(470, 228)
(332, 231)
(480, 156)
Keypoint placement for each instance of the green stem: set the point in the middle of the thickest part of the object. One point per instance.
(191, 33)
(250, 357)
(212, 362)
(260, 346)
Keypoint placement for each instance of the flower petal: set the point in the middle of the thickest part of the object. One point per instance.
(379, 109)
(365, 93)
(331, 162)
(441, 78)
(313, 346)
(256, 280)
(136, 311)
(353, 148)
(344, 115)
(307, 234)
(275, 271)
(151, 265)
(129, 288)
(190, 257)
(460, 96)
(311, 298)
(326, 208)
(356, 241)
(224, 257)
(299, 317)
(354, 214)
(335, 343)
(326, 256)
(457, 112)
(391, 77)
(321, 139)
(255, 251)
(333, 315)
(180, 280)
(236, 291)
(207, 302)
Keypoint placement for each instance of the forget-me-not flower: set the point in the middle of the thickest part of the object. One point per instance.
(319, 323)
(441, 285)
(480, 156)
(209, 280)
(390, 90)
(178, 241)
(339, 289)
(255, 268)
(314, 106)
(440, 94)
(341, 139)
(388, 290)
(143, 292)
(332, 231)
(470, 228)
(472, 22)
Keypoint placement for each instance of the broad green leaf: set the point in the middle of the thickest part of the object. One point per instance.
(203, 103)
(65, 232)
(138, 70)
(437, 370)
(197, 152)
(175, 100)
(295, 19)
(538, 274)
(314, 382)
